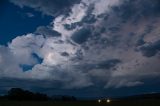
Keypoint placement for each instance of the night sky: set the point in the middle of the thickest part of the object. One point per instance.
(84, 48)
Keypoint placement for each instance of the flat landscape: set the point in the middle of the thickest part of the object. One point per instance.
(82, 103)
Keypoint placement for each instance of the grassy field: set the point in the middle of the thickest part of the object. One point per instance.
(82, 103)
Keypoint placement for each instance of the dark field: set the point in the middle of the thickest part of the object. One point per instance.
(82, 103)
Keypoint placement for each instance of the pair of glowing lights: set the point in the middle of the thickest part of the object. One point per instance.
(108, 101)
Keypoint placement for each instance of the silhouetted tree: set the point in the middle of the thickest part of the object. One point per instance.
(19, 94)
(68, 98)
(24, 95)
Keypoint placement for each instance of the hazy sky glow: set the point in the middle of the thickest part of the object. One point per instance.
(86, 48)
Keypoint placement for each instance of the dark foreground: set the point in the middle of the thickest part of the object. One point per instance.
(82, 103)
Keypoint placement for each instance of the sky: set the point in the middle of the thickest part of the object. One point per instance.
(84, 48)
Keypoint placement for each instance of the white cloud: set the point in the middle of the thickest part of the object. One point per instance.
(53, 49)
(77, 14)
(54, 65)
(8, 64)
(79, 11)
(49, 49)
(24, 46)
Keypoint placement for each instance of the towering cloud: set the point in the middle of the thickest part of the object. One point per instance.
(98, 42)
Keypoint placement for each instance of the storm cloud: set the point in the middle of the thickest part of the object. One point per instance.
(107, 40)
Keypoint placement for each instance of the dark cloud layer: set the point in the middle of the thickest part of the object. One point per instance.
(150, 49)
(138, 9)
(49, 7)
(47, 31)
(81, 36)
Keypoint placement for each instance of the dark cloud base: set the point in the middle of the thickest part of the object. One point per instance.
(90, 92)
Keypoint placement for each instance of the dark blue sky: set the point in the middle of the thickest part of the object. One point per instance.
(16, 21)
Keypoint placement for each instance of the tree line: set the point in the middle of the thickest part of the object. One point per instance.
(25, 95)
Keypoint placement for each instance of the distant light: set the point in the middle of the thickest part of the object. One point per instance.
(99, 101)
(108, 100)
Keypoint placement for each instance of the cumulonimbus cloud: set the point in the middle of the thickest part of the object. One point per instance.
(106, 49)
